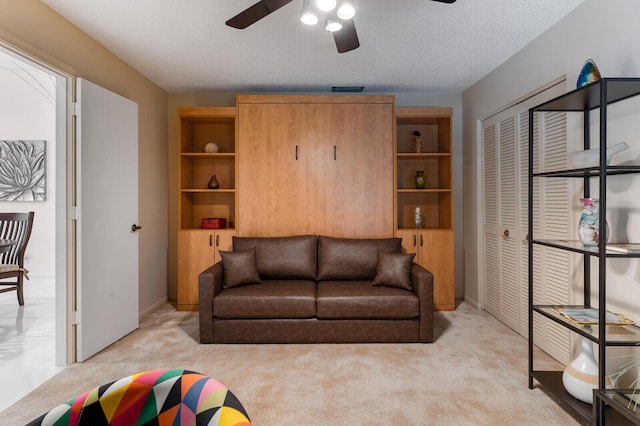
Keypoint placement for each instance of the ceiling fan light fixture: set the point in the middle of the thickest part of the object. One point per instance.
(308, 16)
(326, 5)
(346, 10)
(332, 26)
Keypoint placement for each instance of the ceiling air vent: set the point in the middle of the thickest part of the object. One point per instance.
(347, 89)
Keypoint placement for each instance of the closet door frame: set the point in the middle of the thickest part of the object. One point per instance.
(517, 317)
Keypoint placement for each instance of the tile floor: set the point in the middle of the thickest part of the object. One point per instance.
(27, 340)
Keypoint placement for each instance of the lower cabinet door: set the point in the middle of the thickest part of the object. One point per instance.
(198, 249)
(434, 251)
(223, 240)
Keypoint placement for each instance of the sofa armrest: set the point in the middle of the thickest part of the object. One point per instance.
(422, 283)
(209, 284)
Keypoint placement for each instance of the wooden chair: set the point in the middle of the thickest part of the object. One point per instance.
(15, 227)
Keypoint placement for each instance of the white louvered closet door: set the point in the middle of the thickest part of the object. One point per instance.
(505, 185)
(500, 219)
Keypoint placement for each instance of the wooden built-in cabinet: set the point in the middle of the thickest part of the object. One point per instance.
(433, 244)
(316, 165)
(341, 166)
(199, 248)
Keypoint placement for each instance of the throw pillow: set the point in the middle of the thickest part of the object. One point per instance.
(239, 268)
(394, 270)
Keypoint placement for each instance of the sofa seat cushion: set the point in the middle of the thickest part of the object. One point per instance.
(267, 300)
(362, 300)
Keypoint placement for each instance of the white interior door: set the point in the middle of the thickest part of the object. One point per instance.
(107, 200)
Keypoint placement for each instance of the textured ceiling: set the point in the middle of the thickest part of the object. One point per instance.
(405, 45)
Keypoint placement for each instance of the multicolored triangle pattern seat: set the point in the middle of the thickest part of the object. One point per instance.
(152, 398)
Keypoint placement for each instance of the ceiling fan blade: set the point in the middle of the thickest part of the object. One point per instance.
(347, 38)
(446, 1)
(255, 13)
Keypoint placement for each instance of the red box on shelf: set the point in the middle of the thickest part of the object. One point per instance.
(213, 223)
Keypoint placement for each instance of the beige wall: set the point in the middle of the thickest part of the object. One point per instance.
(36, 29)
(229, 99)
(608, 33)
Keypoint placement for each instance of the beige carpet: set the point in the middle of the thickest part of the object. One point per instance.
(474, 374)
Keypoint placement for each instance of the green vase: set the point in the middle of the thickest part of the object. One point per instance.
(420, 179)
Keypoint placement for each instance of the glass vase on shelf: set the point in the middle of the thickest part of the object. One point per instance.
(589, 225)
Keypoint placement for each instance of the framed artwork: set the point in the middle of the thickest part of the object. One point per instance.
(23, 170)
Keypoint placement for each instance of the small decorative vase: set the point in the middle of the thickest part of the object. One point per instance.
(420, 179)
(211, 148)
(418, 218)
(588, 227)
(213, 183)
(580, 377)
(417, 140)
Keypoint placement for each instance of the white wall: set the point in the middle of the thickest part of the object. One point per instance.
(608, 33)
(27, 112)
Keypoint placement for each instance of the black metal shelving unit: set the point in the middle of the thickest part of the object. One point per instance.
(597, 95)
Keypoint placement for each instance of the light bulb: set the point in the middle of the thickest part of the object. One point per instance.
(309, 18)
(326, 5)
(333, 26)
(346, 10)
(308, 15)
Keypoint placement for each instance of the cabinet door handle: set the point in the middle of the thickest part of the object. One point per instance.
(217, 240)
(505, 235)
(335, 152)
(415, 242)
(210, 240)
(421, 241)
(296, 152)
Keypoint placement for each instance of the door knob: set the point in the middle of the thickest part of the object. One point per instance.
(135, 228)
(505, 235)
(526, 240)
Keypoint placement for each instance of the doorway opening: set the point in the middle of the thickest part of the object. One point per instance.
(33, 338)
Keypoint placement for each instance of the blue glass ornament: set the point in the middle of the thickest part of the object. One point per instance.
(588, 74)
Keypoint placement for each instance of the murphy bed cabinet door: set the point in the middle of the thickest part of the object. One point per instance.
(315, 168)
(358, 187)
(273, 174)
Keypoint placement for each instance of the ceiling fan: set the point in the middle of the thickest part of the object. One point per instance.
(338, 16)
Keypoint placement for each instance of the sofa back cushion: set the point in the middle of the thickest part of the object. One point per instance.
(282, 258)
(352, 259)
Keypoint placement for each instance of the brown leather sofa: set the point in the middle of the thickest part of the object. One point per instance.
(315, 289)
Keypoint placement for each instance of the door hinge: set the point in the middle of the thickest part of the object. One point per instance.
(75, 318)
(76, 108)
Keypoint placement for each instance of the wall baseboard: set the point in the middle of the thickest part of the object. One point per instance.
(153, 308)
(472, 302)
